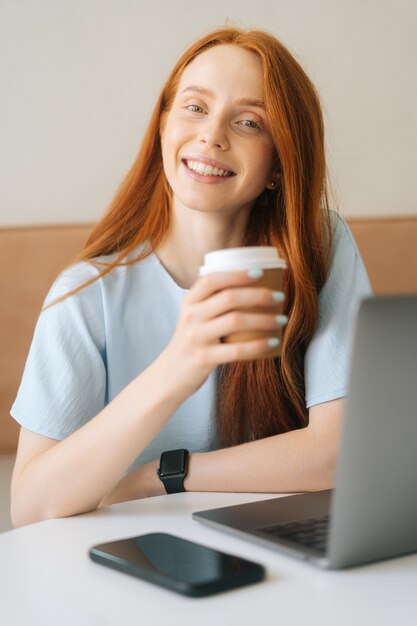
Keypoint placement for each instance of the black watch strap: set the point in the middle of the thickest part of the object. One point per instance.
(173, 468)
(174, 485)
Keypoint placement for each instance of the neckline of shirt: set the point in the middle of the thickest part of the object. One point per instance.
(165, 275)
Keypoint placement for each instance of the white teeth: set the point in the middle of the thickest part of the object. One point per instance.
(206, 170)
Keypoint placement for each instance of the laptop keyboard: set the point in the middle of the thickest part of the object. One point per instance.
(312, 533)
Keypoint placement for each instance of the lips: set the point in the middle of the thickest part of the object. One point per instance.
(206, 166)
(207, 170)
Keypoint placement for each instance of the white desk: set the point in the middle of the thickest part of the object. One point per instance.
(47, 578)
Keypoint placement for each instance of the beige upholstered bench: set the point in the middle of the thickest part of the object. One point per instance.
(31, 258)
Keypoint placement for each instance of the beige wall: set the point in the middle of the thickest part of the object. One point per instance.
(78, 79)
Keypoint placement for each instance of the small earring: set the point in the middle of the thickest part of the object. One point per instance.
(272, 184)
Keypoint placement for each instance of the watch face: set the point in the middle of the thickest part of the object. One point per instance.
(172, 463)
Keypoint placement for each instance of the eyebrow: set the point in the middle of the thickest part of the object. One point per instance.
(253, 102)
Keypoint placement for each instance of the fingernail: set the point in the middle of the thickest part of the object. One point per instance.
(273, 342)
(255, 273)
(281, 319)
(278, 296)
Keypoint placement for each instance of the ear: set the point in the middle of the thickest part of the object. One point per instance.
(274, 181)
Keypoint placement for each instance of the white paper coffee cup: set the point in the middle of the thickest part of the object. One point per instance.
(265, 258)
(235, 259)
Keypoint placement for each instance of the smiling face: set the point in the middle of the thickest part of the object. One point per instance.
(216, 147)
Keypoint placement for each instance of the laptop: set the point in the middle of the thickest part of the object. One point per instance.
(372, 512)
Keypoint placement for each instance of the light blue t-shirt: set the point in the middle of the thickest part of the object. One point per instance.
(88, 347)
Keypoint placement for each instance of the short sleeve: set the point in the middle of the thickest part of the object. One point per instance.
(64, 380)
(327, 359)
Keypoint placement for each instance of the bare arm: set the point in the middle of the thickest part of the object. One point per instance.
(300, 460)
(57, 479)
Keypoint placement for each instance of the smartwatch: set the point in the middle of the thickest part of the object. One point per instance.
(173, 468)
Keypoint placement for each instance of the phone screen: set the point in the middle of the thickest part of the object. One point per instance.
(178, 564)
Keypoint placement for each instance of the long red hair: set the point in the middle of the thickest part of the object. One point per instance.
(255, 399)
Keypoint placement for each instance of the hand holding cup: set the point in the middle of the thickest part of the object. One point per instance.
(261, 261)
(233, 312)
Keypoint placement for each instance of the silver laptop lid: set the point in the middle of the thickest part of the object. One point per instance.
(374, 507)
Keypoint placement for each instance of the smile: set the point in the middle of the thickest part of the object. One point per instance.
(207, 170)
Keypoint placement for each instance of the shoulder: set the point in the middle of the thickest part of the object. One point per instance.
(342, 238)
(87, 278)
(347, 279)
(327, 359)
(88, 288)
(75, 277)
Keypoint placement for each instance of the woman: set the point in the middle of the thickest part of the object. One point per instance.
(127, 360)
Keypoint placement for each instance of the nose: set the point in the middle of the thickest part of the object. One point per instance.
(213, 133)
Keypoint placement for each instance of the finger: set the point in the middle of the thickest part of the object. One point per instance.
(217, 281)
(239, 321)
(240, 298)
(243, 350)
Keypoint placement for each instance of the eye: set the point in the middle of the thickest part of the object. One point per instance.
(194, 108)
(251, 124)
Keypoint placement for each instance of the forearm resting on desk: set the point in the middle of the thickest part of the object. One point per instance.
(61, 478)
(300, 460)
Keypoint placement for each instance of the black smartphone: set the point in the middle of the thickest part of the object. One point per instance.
(177, 564)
